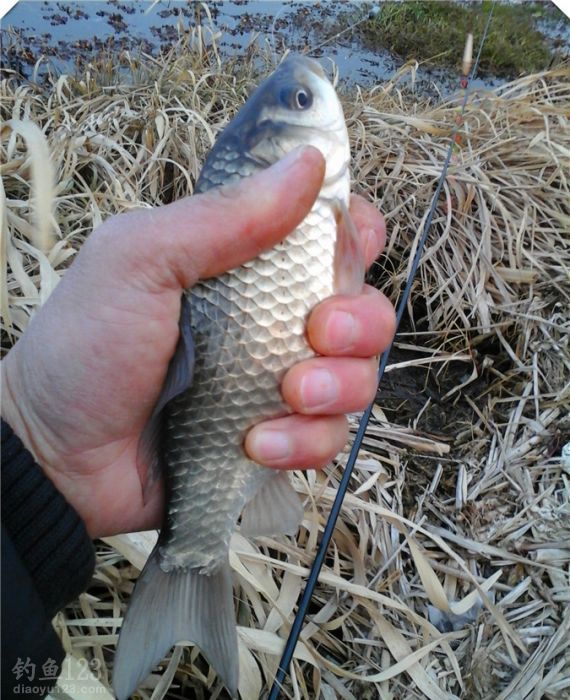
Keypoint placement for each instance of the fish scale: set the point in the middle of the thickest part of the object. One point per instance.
(248, 328)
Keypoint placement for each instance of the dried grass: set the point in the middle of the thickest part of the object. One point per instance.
(462, 527)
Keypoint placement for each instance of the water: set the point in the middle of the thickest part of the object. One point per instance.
(70, 33)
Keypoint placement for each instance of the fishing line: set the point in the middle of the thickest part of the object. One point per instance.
(343, 486)
(363, 19)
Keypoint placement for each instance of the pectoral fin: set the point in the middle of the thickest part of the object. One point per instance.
(349, 260)
(275, 509)
(178, 379)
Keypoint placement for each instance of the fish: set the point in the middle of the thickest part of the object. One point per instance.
(239, 333)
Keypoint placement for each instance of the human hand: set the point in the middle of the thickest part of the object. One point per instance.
(80, 384)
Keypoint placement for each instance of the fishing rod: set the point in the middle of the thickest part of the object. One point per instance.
(363, 425)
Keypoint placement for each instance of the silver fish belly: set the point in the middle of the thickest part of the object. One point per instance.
(248, 329)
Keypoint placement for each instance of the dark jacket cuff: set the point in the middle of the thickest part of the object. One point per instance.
(32, 655)
(48, 535)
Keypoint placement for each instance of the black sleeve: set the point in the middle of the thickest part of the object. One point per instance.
(47, 560)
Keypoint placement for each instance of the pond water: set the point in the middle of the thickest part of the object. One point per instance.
(69, 33)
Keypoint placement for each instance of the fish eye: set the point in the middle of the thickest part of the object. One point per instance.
(302, 99)
(296, 98)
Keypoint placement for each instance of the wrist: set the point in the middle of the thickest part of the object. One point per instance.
(11, 412)
(45, 530)
(17, 411)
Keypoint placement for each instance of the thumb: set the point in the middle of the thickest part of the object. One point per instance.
(207, 234)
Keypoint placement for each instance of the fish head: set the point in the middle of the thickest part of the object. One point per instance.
(296, 105)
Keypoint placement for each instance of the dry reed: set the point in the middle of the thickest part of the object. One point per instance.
(449, 572)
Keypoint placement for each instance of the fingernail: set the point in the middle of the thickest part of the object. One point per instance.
(373, 243)
(270, 445)
(319, 389)
(341, 331)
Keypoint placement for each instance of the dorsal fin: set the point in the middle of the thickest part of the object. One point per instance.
(178, 379)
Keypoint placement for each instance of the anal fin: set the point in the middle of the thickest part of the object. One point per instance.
(275, 509)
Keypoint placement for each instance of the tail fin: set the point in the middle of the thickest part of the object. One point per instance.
(166, 608)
